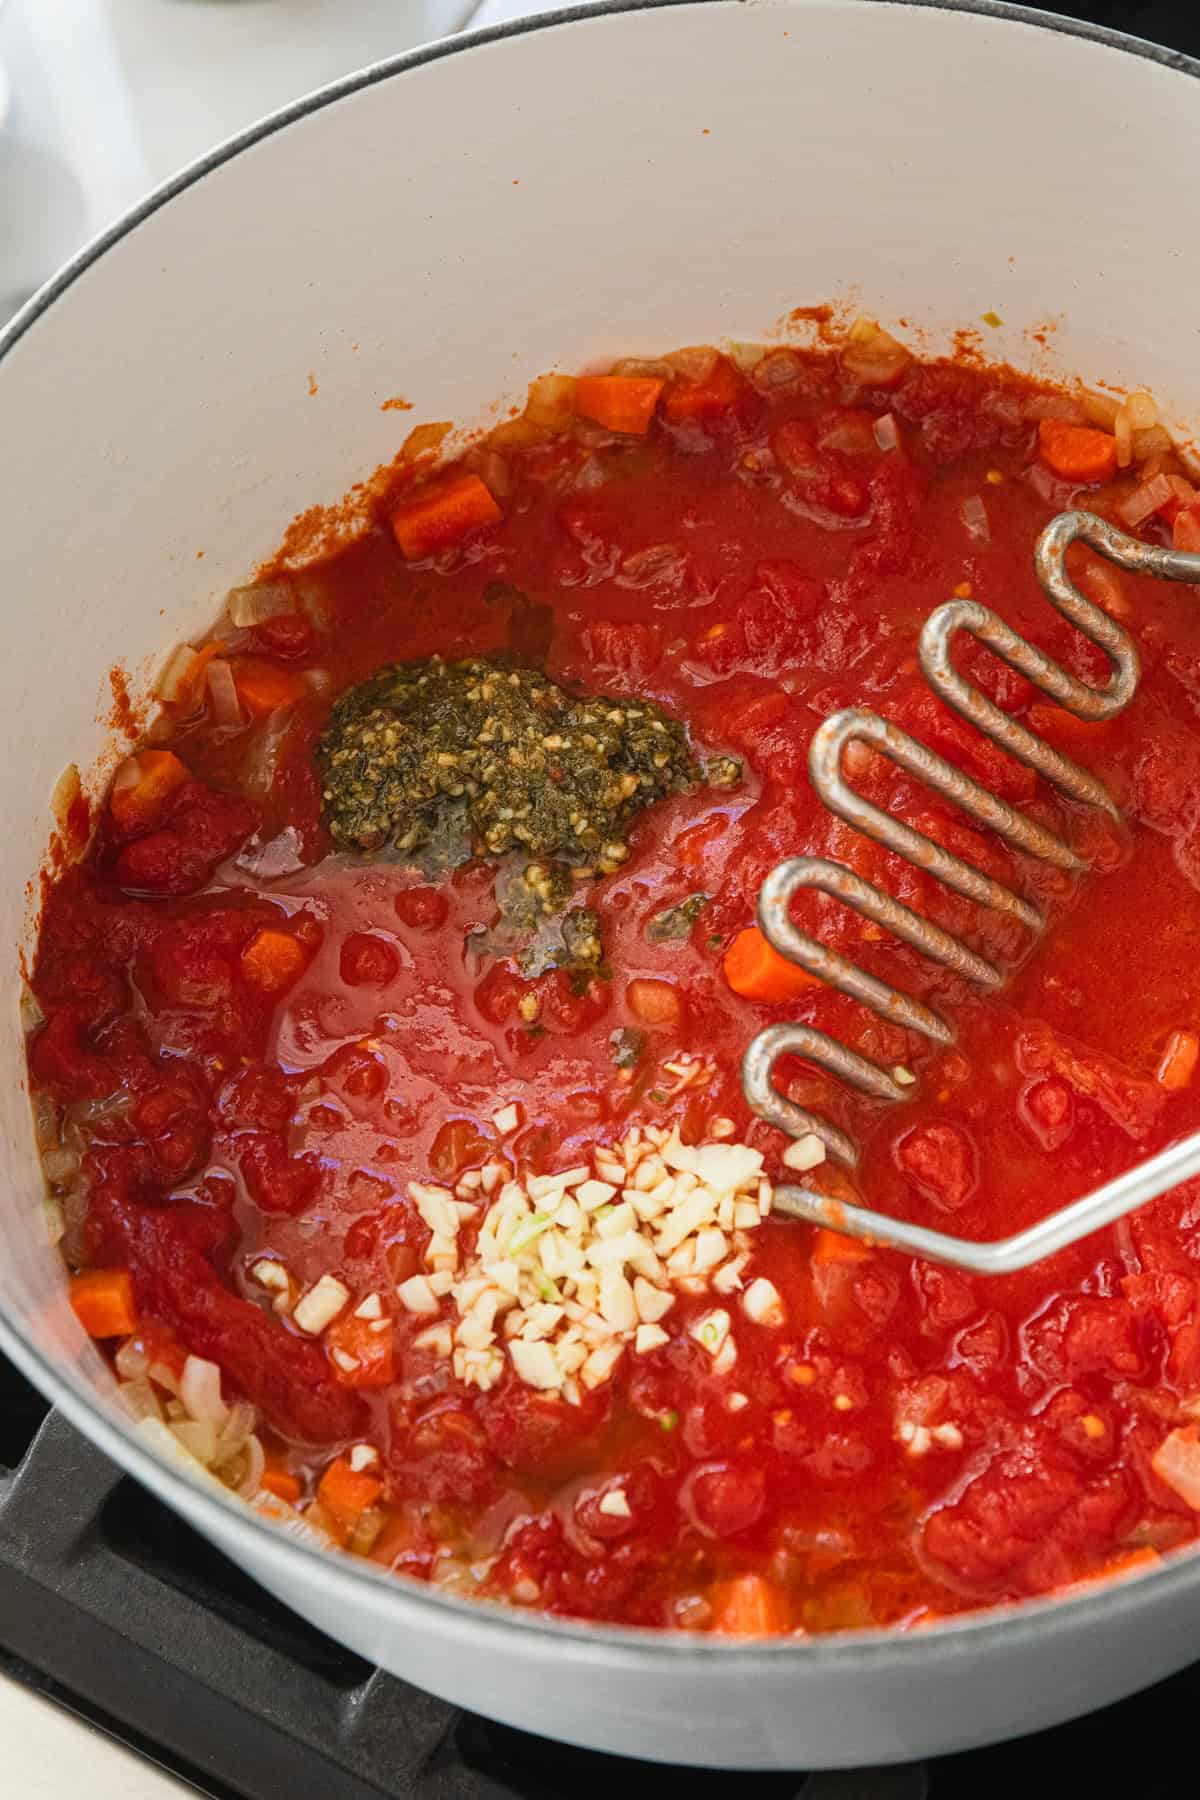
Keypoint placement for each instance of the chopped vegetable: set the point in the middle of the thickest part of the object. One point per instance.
(142, 786)
(755, 970)
(442, 514)
(873, 356)
(749, 1606)
(263, 687)
(618, 402)
(653, 1002)
(1146, 499)
(223, 694)
(1077, 452)
(272, 960)
(697, 399)
(103, 1302)
(346, 1494)
(1178, 1063)
(360, 1350)
(279, 1482)
(1176, 1462)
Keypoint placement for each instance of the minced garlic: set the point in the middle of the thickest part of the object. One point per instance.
(572, 1269)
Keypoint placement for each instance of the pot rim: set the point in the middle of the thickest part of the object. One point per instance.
(590, 1641)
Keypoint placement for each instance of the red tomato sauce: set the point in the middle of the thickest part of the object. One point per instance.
(257, 1045)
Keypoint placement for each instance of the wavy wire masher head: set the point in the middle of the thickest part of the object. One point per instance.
(855, 725)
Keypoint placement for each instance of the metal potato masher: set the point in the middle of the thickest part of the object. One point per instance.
(856, 725)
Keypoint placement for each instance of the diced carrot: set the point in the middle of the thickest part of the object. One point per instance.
(832, 1247)
(749, 1606)
(653, 1002)
(707, 398)
(1062, 729)
(355, 1341)
(618, 402)
(346, 1493)
(1178, 1063)
(141, 787)
(103, 1302)
(442, 514)
(272, 960)
(1077, 452)
(758, 972)
(280, 1483)
(263, 687)
(1185, 533)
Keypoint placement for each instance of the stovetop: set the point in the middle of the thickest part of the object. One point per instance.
(113, 1607)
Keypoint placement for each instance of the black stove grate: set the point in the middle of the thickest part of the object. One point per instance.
(114, 1607)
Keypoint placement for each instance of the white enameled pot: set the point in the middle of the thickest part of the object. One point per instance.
(445, 226)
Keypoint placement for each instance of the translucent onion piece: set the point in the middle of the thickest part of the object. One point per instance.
(234, 1432)
(973, 514)
(1123, 432)
(491, 469)
(199, 1436)
(872, 356)
(695, 362)
(200, 1391)
(551, 401)
(54, 1221)
(179, 676)
(45, 1121)
(59, 1165)
(887, 433)
(256, 1462)
(1100, 409)
(31, 1013)
(161, 1438)
(249, 606)
(222, 692)
(132, 1362)
(1141, 411)
(1145, 500)
(777, 369)
(139, 1399)
(1150, 440)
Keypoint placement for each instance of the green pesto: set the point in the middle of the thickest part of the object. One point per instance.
(533, 768)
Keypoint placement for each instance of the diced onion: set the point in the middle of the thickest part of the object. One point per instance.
(53, 1221)
(139, 1399)
(59, 1165)
(1176, 1462)
(256, 1462)
(491, 469)
(1101, 409)
(1145, 500)
(873, 356)
(1141, 411)
(973, 514)
(249, 606)
(178, 678)
(234, 1432)
(222, 691)
(887, 432)
(200, 1391)
(551, 401)
(777, 369)
(1150, 440)
(696, 361)
(31, 1013)
(132, 1362)
(1123, 432)
(163, 1376)
(199, 1436)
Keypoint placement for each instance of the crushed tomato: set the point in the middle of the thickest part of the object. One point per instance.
(258, 1046)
